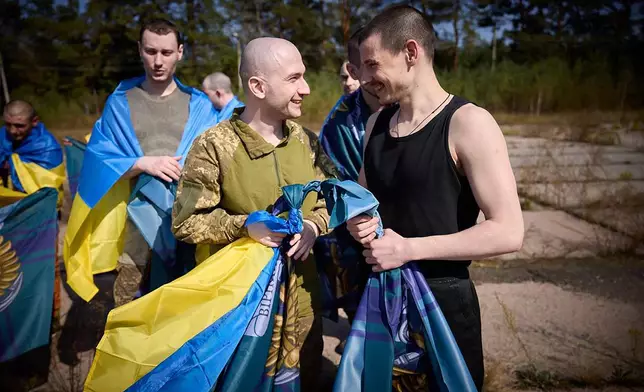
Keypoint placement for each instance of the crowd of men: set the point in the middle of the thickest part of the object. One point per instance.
(433, 160)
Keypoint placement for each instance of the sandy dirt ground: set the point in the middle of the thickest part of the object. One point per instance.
(566, 312)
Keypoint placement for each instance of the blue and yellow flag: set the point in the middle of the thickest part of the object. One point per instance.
(94, 237)
(37, 162)
(28, 231)
(230, 323)
(185, 333)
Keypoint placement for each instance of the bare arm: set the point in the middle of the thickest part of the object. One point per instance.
(481, 152)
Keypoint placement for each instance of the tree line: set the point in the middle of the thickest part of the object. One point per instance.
(510, 55)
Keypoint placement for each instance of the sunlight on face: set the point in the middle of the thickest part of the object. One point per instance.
(286, 85)
(383, 74)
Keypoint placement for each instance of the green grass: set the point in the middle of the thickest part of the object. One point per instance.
(509, 94)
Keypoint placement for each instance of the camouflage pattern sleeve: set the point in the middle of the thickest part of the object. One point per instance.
(196, 218)
(324, 169)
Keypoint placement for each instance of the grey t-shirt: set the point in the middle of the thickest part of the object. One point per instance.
(158, 121)
(158, 125)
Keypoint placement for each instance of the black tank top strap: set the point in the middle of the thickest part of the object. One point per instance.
(382, 121)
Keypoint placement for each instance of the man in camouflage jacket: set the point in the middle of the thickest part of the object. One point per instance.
(240, 165)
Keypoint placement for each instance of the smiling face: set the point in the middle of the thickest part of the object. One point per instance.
(383, 73)
(283, 87)
(160, 55)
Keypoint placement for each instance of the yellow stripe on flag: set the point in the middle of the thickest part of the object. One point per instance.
(94, 238)
(141, 334)
(34, 177)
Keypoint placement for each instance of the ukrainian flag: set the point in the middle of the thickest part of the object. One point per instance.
(184, 334)
(36, 163)
(28, 235)
(151, 345)
(94, 237)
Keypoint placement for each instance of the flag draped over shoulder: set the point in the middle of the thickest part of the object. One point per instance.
(28, 229)
(94, 237)
(36, 163)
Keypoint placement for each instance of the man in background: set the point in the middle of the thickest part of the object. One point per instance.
(219, 89)
(139, 144)
(349, 82)
(30, 156)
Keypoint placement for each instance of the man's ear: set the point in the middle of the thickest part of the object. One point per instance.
(180, 51)
(257, 87)
(34, 121)
(412, 51)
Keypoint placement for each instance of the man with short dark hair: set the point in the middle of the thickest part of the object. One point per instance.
(218, 88)
(146, 129)
(30, 156)
(432, 159)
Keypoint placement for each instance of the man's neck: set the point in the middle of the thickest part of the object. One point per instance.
(426, 95)
(269, 129)
(161, 89)
(370, 100)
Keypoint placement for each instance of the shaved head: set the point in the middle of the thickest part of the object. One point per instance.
(263, 56)
(272, 73)
(19, 119)
(216, 81)
(218, 88)
(18, 108)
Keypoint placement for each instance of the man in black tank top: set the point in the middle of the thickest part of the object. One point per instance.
(432, 160)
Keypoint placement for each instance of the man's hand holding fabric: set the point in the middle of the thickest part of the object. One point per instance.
(302, 243)
(363, 228)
